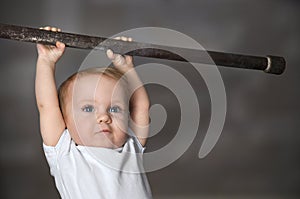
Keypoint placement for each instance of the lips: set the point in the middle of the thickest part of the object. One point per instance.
(105, 131)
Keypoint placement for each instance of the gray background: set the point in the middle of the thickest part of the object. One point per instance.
(257, 155)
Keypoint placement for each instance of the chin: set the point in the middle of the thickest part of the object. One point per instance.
(102, 140)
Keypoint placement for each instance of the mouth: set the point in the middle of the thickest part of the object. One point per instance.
(105, 131)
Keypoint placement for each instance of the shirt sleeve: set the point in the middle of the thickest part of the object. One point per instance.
(139, 146)
(52, 153)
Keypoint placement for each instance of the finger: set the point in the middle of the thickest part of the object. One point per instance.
(60, 45)
(54, 29)
(117, 38)
(110, 54)
(124, 38)
(128, 59)
(129, 39)
(118, 60)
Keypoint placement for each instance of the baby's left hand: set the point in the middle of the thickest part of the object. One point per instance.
(122, 62)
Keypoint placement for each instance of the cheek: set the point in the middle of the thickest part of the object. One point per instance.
(72, 127)
(84, 122)
(81, 124)
(121, 122)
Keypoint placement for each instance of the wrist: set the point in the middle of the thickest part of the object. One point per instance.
(45, 61)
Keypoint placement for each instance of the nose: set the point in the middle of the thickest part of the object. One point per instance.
(103, 118)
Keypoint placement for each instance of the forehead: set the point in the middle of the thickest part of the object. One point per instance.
(96, 86)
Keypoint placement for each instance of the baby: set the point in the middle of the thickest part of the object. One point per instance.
(94, 131)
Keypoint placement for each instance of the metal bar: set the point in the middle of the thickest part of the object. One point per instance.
(269, 64)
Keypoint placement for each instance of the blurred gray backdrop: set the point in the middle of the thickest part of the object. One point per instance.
(257, 155)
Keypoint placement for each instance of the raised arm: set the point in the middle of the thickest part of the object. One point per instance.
(51, 120)
(139, 101)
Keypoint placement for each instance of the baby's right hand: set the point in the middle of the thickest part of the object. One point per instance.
(51, 53)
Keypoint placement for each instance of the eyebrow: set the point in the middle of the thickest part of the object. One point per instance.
(87, 101)
(95, 102)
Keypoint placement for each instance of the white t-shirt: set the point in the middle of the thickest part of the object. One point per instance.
(93, 172)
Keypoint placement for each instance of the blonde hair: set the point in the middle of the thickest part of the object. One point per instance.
(64, 88)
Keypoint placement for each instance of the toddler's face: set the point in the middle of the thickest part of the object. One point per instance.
(97, 112)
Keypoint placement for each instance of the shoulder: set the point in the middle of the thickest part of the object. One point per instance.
(63, 142)
(133, 144)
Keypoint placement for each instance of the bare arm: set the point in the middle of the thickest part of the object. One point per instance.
(139, 101)
(139, 107)
(51, 120)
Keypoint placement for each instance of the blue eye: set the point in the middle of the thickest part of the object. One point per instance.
(114, 109)
(88, 108)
